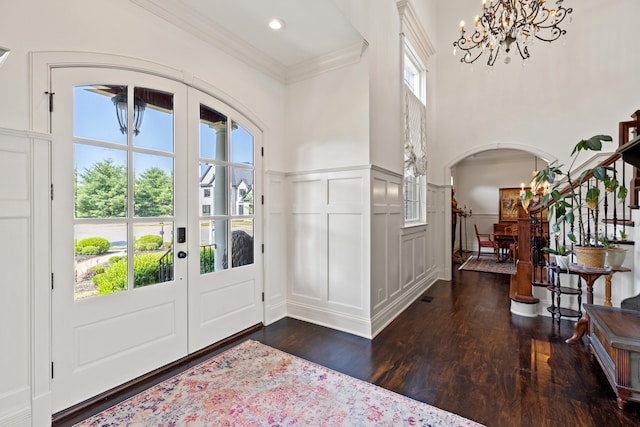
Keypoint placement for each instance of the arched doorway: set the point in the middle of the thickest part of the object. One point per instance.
(478, 177)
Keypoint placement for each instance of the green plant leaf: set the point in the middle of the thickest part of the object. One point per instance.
(592, 194)
(594, 143)
(622, 193)
(600, 172)
(570, 217)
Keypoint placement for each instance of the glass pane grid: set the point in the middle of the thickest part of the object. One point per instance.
(122, 190)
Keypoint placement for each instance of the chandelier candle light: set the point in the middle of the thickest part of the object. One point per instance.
(504, 23)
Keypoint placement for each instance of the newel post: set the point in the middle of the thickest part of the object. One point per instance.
(521, 290)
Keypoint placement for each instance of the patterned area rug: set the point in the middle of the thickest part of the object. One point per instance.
(488, 264)
(255, 385)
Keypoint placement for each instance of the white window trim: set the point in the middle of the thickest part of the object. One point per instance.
(416, 44)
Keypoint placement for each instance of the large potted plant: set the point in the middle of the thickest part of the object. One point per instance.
(572, 200)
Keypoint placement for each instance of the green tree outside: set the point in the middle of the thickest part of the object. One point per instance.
(101, 191)
(153, 193)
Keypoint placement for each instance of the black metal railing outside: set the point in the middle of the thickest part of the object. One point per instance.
(165, 272)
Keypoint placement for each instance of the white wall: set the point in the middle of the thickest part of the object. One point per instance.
(379, 24)
(118, 28)
(327, 120)
(573, 88)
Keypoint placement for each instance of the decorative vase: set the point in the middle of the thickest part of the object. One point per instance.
(562, 261)
(615, 257)
(590, 256)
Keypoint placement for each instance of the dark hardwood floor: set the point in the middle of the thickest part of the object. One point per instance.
(463, 351)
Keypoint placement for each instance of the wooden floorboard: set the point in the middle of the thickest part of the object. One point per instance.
(466, 353)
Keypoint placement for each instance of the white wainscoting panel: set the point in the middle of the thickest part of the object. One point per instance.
(346, 260)
(438, 247)
(276, 238)
(329, 249)
(18, 181)
(414, 255)
(309, 256)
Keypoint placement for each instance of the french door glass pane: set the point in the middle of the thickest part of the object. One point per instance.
(153, 253)
(241, 145)
(213, 189)
(213, 133)
(153, 185)
(110, 261)
(213, 245)
(242, 242)
(156, 130)
(94, 113)
(242, 191)
(100, 259)
(100, 182)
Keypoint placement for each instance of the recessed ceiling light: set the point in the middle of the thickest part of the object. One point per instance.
(276, 24)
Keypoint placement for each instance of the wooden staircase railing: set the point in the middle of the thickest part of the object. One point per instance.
(533, 230)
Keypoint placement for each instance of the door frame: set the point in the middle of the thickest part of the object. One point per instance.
(41, 65)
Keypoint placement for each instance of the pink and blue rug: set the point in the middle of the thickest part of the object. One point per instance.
(252, 384)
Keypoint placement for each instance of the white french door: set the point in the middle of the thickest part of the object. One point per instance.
(153, 191)
(225, 287)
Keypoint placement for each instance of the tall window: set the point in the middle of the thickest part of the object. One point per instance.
(415, 161)
(417, 48)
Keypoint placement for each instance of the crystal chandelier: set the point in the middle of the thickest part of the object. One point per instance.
(504, 23)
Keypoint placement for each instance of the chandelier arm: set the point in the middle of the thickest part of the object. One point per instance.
(493, 55)
(523, 51)
(560, 14)
(555, 34)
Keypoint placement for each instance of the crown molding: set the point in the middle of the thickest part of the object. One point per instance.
(322, 64)
(413, 30)
(191, 22)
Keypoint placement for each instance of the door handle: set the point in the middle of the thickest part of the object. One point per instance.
(182, 254)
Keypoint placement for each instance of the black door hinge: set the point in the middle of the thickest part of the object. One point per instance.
(51, 281)
(263, 297)
(51, 370)
(263, 248)
(262, 200)
(262, 151)
(52, 192)
(50, 100)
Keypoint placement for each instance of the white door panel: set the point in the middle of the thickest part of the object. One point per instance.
(226, 296)
(101, 341)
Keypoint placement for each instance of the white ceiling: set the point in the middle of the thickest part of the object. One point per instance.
(313, 28)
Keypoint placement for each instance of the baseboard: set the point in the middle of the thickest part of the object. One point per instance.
(275, 312)
(381, 319)
(330, 318)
